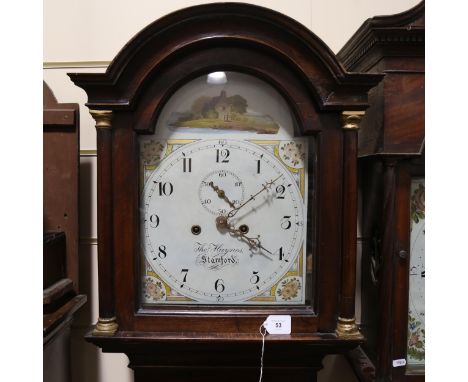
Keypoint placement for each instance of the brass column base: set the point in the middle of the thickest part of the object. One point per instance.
(106, 327)
(347, 329)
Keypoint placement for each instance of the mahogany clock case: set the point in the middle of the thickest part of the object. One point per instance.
(127, 100)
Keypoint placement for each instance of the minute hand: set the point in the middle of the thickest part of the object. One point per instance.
(266, 186)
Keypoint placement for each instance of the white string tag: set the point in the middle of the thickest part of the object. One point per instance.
(263, 333)
(277, 324)
(274, 324)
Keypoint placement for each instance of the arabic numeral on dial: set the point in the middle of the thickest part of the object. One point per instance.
(222, 155)
(237, 184)
(255, 278)
(184, 280)
(280, 191)
(165, 189)
(219, 286)
(281, 254)
(154, 221)
(206, 201)
(285, 222)
(162, 252)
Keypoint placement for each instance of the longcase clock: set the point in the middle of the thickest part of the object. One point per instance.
(227, 192)
(391, 163)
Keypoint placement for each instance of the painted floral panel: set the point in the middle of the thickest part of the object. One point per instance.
(416, 310)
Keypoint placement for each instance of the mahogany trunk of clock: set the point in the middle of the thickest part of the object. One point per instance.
(391, 154)
(199, 341)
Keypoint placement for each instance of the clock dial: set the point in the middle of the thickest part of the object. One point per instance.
(416, 310)
(224, 222)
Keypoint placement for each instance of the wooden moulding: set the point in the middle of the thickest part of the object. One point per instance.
(394, 46)
(56, 291)
(399, 35)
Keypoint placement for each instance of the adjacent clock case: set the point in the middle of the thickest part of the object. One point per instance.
(391, 164)
(193, 341)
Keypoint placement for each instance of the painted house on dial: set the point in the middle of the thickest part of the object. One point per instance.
(223, 107)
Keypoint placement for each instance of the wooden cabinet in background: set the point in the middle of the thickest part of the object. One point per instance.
(391, 173)
(60, 251)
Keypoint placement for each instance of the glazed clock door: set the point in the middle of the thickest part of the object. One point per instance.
(223, 201)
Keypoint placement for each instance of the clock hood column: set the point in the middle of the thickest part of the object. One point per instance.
(346, 326)
(107, 323)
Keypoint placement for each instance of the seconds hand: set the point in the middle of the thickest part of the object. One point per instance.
(266, 186)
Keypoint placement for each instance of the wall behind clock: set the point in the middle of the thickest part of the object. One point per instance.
(85, 36)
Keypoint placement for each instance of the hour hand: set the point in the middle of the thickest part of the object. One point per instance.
(253, 242)
(221, 194)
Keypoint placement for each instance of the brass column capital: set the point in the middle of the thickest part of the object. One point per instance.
(106, 327)
(350, 120)
(103, 118)
(346, 328)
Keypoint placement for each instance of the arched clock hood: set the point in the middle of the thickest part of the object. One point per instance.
(186, 33)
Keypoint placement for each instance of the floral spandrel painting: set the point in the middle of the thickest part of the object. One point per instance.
(289, 289)
(417, 274)
(417, 201)
(223, 112)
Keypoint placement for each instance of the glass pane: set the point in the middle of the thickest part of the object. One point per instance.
(230, 103)
(416, 319)
(224, 197)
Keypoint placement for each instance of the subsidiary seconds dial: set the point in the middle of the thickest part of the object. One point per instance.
(224, 220)
(212, 195)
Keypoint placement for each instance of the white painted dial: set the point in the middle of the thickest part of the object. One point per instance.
(245, 185)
